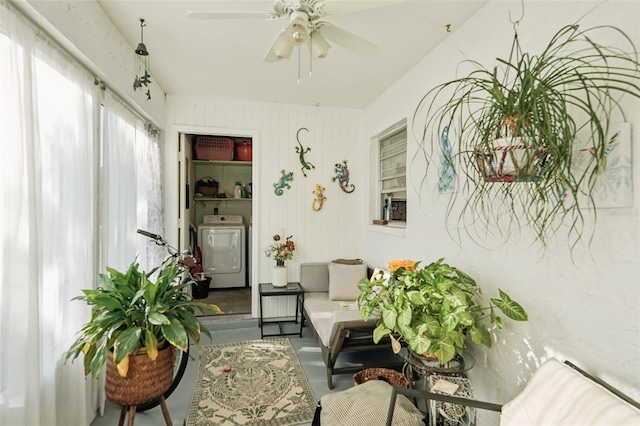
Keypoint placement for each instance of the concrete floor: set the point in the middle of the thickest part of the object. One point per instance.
(231, 329)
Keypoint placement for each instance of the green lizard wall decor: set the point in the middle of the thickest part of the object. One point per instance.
(283, 182)
(301, 152)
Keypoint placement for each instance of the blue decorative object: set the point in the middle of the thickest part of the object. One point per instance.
(447, 163)
(283, 182)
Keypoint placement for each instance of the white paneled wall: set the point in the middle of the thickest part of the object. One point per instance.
(334, 231)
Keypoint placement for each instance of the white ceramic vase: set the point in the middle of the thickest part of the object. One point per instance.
(279, 277)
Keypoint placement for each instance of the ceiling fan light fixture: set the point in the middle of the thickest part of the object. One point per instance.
(319, 45)
(282, 47)
(299, 28)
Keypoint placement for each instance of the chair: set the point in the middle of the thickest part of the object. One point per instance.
(557, 394)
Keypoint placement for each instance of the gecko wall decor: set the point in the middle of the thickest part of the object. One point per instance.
(301, 151)
(317, 203)
(342, 176)
(283, 182)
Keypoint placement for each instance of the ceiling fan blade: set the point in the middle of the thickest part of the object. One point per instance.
(230, 14)
(343, 7)
(349, 41)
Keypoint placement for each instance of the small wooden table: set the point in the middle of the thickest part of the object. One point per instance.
(291, 289)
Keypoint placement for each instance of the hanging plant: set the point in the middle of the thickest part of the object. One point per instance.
(516, 130)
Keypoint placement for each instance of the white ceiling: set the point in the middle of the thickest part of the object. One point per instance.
(224, 58)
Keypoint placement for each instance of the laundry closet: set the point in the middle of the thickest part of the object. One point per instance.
(219, 206)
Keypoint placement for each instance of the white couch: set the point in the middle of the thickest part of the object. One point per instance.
(330, 293)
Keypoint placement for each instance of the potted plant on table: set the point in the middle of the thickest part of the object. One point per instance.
(137, 323)
(434, 309)
(530, 136)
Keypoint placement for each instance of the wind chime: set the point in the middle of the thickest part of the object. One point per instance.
(143, 78)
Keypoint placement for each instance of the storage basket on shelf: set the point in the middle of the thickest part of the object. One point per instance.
(207, 186)
(393, 377)
(214, 148)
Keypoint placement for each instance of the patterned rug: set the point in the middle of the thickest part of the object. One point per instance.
(266, 386)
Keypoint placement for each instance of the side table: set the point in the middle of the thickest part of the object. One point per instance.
(446, 413)
(291, 289)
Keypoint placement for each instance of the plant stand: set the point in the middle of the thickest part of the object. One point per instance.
(132, 413)
(146, 381)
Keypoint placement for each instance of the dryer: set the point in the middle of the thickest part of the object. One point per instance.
(222, 242)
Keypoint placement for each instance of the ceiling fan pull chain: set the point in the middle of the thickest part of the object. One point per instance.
(298, 64)
(310, 59)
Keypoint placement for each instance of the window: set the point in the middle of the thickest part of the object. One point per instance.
(392, 175)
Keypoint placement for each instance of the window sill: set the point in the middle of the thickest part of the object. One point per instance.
(399, 229)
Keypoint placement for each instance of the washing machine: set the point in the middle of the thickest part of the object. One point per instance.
(222, 242)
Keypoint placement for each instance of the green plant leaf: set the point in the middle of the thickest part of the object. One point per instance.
(510, 308)
(127, 343)
(480, 335)
(444, 350)
(175, 334)
(157, 318)
(389, 317)
(379, 332)
(420, 344)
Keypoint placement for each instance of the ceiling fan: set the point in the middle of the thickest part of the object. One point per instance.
(306, 25)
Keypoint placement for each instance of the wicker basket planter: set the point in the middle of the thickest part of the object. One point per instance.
(393, 377)
(146, 380)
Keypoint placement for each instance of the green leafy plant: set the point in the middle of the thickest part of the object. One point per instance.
(531, 135)
(131, 311)
(433, 309)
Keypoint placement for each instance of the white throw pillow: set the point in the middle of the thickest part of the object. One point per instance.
(343, 281)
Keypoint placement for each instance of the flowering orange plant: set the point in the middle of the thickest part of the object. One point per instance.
(433, 308)
(397, 264)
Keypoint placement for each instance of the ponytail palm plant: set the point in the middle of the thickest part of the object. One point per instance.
(531, 135)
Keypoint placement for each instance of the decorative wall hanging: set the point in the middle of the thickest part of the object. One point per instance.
(518, 126)
(143, 78)
(446, 181)
(301, 151)
(317, 203)
(342, 176)
(283, 182)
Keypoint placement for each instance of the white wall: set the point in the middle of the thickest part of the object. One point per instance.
(587, 311)
(333, 137)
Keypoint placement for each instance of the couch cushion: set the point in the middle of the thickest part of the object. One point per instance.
(325, 315)
(314, 277)
(343, 281)
(559, 395)
(367, 404)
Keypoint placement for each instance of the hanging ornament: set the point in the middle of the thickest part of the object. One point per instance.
(283, 182)
(143, 78)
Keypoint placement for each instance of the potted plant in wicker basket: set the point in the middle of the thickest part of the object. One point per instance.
(435, 309)
(137, 324)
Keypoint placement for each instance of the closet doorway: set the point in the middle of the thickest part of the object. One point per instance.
(217, 205)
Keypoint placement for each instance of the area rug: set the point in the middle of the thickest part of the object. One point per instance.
(265, 386)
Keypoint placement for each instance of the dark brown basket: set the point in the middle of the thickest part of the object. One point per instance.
(394, 378)
(146, 379)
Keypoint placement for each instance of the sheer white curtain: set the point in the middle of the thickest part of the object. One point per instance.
(73, 191)
(130, 188)
(48, 226)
